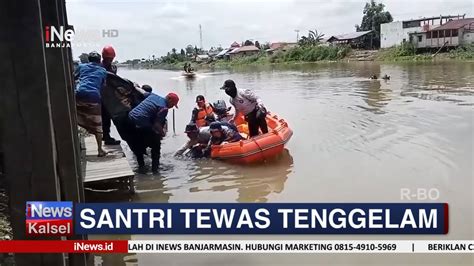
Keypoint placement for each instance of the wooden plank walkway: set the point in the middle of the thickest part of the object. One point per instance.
(113, 166)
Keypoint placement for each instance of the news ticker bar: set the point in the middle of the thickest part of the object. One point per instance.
(237, 246)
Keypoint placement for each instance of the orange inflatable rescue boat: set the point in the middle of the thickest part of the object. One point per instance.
(258, 148)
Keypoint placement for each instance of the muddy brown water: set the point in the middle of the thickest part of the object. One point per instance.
(355, 140)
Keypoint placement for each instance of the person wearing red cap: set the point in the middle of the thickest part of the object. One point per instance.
(150, 119)
(108, 55)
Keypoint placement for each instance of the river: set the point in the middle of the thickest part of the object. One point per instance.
(355, 140)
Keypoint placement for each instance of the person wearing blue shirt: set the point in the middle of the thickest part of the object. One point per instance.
(89, 80)
(149, 117)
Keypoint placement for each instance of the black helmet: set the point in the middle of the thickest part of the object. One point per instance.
(228, 84)
(94, 57)
(147, 88)
(230, 88)
(191, 127)
(220, 107)
(215, 125)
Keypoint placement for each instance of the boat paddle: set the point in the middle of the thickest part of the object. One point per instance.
(174, 127)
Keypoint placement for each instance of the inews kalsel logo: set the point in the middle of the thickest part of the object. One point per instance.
(58, 38)
(49, 218)
(62, 37)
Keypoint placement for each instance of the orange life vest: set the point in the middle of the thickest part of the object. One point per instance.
(201, 115)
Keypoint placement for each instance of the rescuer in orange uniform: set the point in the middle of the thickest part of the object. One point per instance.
(202, 114)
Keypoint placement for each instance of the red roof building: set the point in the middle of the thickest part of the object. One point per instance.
(456, 24)
(234, 45)
(451, 34)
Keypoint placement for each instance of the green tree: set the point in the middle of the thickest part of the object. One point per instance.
(135, 62)
(189, 49)
(374, 15)
(248, 42)
(314, 38)
(173, 51)
(257, 44)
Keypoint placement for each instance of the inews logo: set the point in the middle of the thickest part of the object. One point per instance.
(58, 37)
(49, 218)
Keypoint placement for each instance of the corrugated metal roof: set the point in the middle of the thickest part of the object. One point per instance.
(245, 49)
(429, 18)
(223, 52)
(278, 45)
(352, 35)
(455, 24)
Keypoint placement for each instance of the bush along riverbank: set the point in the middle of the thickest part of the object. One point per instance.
(299, 54)
(407, 52)
(321, 53)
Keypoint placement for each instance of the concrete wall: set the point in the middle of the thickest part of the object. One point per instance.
(438, 42)
(467, 37)
(390, 34)
(393, 33)
(417, 42)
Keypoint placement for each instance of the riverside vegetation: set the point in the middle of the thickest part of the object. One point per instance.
(408, 52)
(292, 55)
(320, 53)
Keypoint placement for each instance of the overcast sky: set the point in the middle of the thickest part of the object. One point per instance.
(149, 27)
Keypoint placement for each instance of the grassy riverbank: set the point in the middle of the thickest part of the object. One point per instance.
(408, 53)
(291, 56)
(327, 54)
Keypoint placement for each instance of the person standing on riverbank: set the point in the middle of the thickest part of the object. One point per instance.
(250, 105)
(108, 55)
(90, 79)
(149, 117)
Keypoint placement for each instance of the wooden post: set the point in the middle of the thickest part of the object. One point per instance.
(63, 106)
(37, 100)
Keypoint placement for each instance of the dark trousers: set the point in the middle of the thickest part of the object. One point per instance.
(106, 123)
(128, 132)
(139, 139)
(148, 138)
(256, 123)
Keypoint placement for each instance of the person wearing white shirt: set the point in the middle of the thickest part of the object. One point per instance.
(250, 105)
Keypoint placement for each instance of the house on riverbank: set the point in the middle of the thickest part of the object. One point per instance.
(202, 58)
(451, 34)
(357, 40)
(397, 32)
(244, 51)
(280, 46)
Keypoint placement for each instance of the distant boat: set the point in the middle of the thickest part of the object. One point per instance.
(189, 74)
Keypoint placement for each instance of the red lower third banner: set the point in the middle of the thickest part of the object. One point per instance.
(64, 246)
